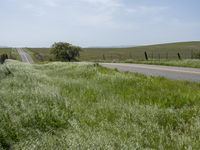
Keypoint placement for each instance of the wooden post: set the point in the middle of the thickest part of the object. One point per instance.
(179, 56)
(104, 58)
(130, 56)
(152, 55)
(192, 54)
(120, 57)
(1, 59)
(146, 56)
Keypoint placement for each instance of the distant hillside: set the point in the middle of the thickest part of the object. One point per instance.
(12, 53)
(162, 51)
(5, 50)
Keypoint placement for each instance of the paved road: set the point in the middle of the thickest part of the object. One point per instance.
(24, 56)
(176, 73)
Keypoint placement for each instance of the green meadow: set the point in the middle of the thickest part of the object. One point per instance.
(187, 50)
(5, 50)
(12, 53)
(75, 106)
(163, 54)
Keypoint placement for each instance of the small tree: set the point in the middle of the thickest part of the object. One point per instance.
(65, 51)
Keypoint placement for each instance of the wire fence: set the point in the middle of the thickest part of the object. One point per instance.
(151, 55)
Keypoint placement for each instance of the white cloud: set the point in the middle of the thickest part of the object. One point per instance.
(146, 9)
(91, 9)
(91, 12)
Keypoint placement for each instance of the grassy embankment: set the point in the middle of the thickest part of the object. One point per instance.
(12, 53)
(193, 63)
(166, 52)
(62, 105)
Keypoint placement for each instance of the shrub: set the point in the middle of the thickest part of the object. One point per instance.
(65, 51)
(3, 57)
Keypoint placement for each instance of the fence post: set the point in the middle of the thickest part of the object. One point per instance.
(129, 56)
(104, 58)
(179, 56)
(192, 54)
(10, 54)
(152, 55)
(146, 56)
(119, 56)
(167, 56)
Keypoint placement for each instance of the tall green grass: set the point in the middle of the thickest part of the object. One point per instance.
(73, 106)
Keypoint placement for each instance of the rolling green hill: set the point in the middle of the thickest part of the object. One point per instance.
(187, 50)
(12, 53)
(66, 105)
(162, 51)
(5, 51)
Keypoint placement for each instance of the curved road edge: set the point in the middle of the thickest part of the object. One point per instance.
(25, 56)
(174, 73)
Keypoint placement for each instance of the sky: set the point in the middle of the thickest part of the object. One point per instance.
(88, 23)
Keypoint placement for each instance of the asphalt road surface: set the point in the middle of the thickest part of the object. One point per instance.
(176, 73)
(24, 56)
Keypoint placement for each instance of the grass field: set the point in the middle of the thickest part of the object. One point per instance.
(40, 54)
(12, 53)
(162, 51)
(71, 106)
(187, 50)
(193, 63)
(5, 50)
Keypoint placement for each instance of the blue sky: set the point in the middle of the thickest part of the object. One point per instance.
(39, 23)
